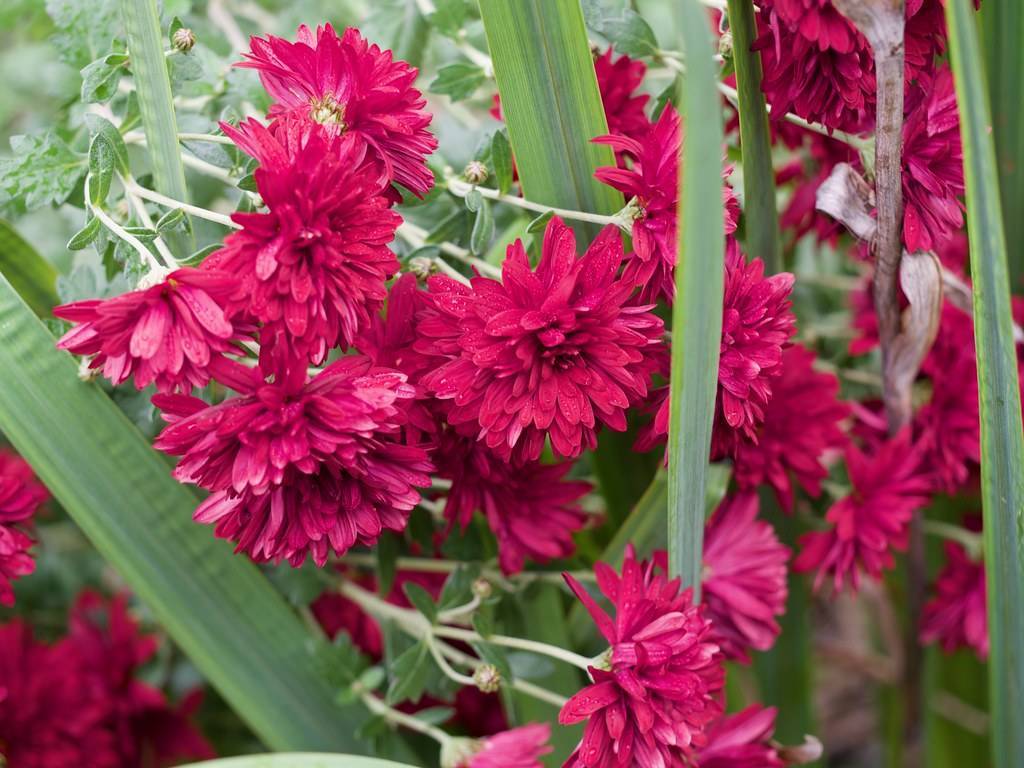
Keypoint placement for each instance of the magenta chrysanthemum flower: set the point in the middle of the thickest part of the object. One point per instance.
(957, 617)
(664, 675)
(888, 488)
(349, 87)
(818, 21)
(532, 509)
(521, 747)
(653, 180)
(551, 352)
(20, 497)
(933, 169)
(744, 577)
(618, 80)
(742, 740)
(801, 426)
(172, 334)
(296, 467)
(313, 268)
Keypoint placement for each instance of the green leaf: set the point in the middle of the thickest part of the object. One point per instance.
(459, 80)
(624, 28)
(248, 183)
(101, 169)
(501, 160)
(299, 760)
(409, 674)
(199, 256)
(30, 274)
(217, 606)
(761, 219)
(184, 68)
(697, 313)
(483, 229)
(449, 16)
(84, 28)
(458, 587)
(170, 219)
(473, 200)
(387, 561)
(43, 171)
(1002, 438)
(85, 235)
(100, 79)
(540, 223)
(397, 25)
(99, 125)
(300, 586)
(421, 600)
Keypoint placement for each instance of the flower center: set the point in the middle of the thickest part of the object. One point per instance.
(327, 110)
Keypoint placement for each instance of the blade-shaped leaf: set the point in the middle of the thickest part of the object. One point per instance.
(298, 760)
(31, 275)
(216, 605)
(1002, 438)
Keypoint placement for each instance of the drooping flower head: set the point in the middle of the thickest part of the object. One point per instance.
(313, 268)
(20, 497)
(801, 427)
(653, 180)
(172, 334)
(744, 579)
(350, 87)
(521, 747)
(957, 616)
(889, 486)
(296, 467)
(664, 674)
(552, 352)
(532, 509)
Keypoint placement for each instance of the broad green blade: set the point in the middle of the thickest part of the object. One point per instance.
(697, 314)
(1003, 31)
(216, 605)
(1002, 439)
(31, 275)
(298, 760)
(761, 219)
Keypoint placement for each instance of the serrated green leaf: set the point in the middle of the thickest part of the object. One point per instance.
(501, 161)
(100, 79)
(483, 229)
(449, 16)
(101, 169)
(625, 29)
(99, 125)
(458, 81)
(421, 600)
(409, 674)
(43, 171)
(31, 275)
(85, 235)
(84, 28)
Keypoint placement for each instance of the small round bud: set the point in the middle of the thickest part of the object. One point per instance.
(475, 172)
(487, 678)
(725, 45)
(421, 266)
(183, 39)
(482, 589)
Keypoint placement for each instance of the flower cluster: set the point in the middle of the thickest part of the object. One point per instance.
(20, 497)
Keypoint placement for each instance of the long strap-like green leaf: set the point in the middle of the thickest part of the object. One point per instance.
(697, 314)
(216, 605)
(31, 275)
(1002, 439)
(298, 760)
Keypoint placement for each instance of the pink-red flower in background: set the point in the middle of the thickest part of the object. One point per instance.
(532, 509)
(742, 740)
(172, 334)
(744, 579)
(314, 267)
(521, 747)
(350, 87)
(957, 617)
(801, 426)
(20, 497)
(552, 352)
(296, 467)
(889, 486)
(664, 676)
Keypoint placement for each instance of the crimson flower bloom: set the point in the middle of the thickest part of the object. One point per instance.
(742, 740)
(664, 675)
(348, 86)
(818, 21)
(552, 352)
(744, 577)
(532, 509)
(20, 497)
(654, 181)
(313, 268)
(147, 729)
(933, 166)
(957, 617)
(520, 747)
(172, 334)
(888, 488)
(801, 426)
(296, 467)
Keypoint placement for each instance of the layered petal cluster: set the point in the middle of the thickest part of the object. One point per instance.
(889, 486)
(296, 467)
(312, 269)
(664, 675)
(172, 334)
(350, 87)
(801, 427)
(957, 617)
(933, 167)
(742, 740)
(744, 579)
(532, 509)
(20, 497)
(521, 747)
(552, 352)
(653, 180)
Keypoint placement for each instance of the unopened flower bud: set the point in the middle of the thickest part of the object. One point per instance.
(482, 589)
(421, 266)
(457, 752)
(183, 39)
(725, 45)
(475, 172)
(487, 678)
